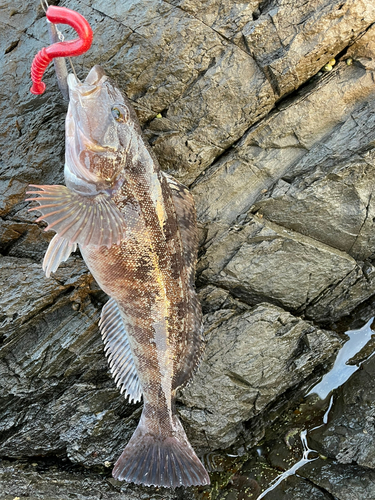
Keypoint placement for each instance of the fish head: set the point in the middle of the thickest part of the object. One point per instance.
(100, 127)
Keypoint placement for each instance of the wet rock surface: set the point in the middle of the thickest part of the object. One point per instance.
(40, 480)
(349, 437)
(343, 483)
(280, 158)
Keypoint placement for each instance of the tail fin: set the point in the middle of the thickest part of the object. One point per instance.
(156, 460)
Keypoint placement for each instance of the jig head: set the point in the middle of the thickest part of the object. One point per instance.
(76, 47)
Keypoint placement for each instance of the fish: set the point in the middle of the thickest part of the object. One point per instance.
(135, 226)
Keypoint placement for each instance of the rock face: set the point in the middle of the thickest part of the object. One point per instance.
(349, 436)
(251, 358)
(280, 158)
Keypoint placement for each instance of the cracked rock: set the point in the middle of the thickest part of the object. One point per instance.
(251, 358)
(341, 482)
(349, 436)
(262, 260)
(326, 123)
(42, 481)
(291, 41)
(337, 209)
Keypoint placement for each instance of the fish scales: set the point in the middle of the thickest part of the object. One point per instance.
(144, 280)
(136, 229)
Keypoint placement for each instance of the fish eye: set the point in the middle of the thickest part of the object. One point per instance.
(120, 113)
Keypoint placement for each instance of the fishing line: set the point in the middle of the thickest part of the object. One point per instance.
(71, 65)
(45, 5)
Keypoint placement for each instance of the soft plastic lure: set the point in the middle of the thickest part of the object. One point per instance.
(76, 47)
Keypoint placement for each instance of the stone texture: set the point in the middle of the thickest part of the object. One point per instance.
(43, 481)
(233, 89)
(251, 358)
(257, 260)
(291, 41)
(349, 437)
(227, 18)
(284, 192)
(336, 301)
(326, 123)
(25, 291)
(340, 209)
(348, 482)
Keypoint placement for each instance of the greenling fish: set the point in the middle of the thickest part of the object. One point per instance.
(136, 229)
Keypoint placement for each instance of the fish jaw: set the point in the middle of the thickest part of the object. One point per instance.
(94, 149)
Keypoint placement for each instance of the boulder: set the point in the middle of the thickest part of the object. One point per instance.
(252, 357)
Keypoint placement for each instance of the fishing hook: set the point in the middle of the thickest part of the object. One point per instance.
(76, 47)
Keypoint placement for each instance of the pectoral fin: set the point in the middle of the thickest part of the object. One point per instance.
(117, 349)
(87, 220)
(58, 251)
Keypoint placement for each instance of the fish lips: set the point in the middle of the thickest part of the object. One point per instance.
(93, 81)
(89, 116)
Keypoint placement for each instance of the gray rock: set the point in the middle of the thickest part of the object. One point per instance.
(349, 436)
(233, 90)
(25, 291)
(363, 50)
(257, 260)
(327, 122)
(337, 209)
(251, 358)
(61, 482)
(292, 41)
(338, 300)
(348, 482)
(227, 18)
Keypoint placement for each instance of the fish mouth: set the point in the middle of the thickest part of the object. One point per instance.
(82, 95)
(92, 146)
(92, 83)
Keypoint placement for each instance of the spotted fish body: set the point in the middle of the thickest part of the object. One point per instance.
(136, 230)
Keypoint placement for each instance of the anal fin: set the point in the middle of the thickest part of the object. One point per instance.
(117, 349)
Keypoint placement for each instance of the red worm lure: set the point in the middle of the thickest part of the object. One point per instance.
(76, 47)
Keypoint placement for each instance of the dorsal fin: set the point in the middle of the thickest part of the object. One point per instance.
(58, 251)
(117, 350)
(187, 222)
(188, 353)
